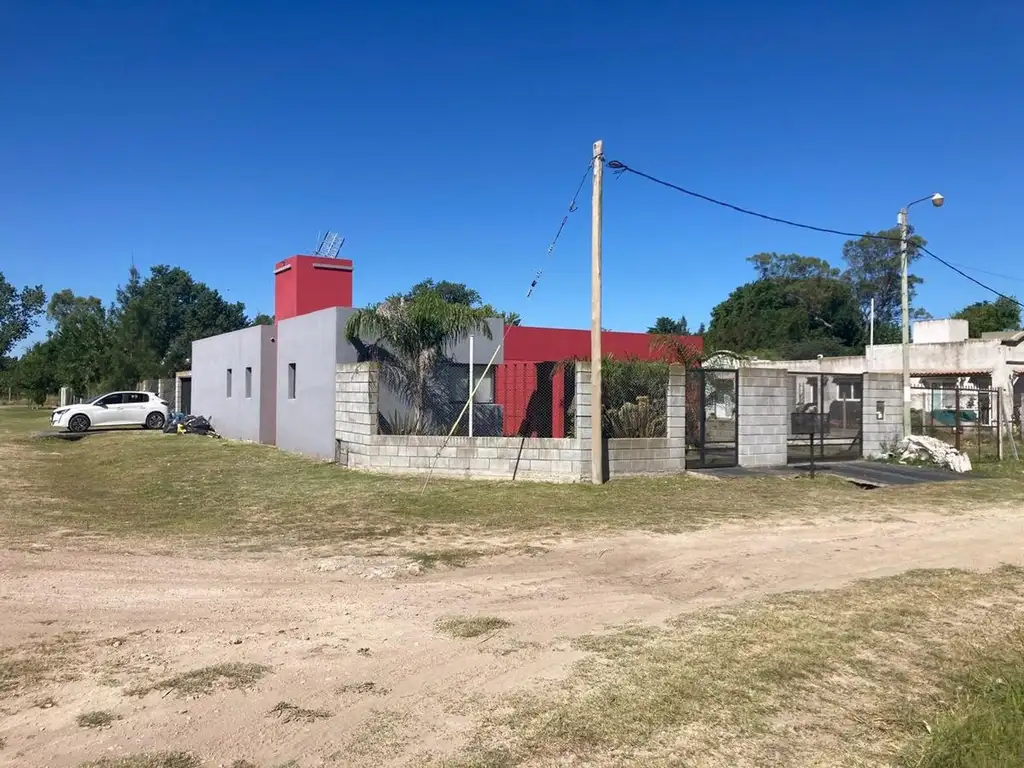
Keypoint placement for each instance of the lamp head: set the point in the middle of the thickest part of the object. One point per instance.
(938, 200)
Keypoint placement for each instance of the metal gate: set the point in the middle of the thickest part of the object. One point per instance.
(826, 417)
(712, 396)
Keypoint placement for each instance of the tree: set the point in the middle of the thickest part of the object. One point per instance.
(789, 318)
(262, 319)
(1003, 314)
(874, 272)
(452, 293)
(701, 330)
(36, 372)
(791, 266)
(409, 338)
(666, 325)
(80, 341)
(460, 293)
(157, 319)
(19, 313)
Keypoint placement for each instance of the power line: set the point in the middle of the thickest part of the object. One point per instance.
(620, 168)
(490, 363)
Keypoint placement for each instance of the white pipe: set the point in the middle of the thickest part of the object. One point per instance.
(472, 389)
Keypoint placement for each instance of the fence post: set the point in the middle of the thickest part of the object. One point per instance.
(956, 417)
(999, 424)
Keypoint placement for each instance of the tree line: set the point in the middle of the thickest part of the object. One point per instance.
(147, 331)
(796, 307)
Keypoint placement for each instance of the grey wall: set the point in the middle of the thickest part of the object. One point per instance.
(237, 416)
(887, 388)
(763, 417)
(314, 343)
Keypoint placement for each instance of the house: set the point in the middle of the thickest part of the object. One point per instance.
(276, 384)
(943, 359)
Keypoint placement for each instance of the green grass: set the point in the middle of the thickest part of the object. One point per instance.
(471, 626)
(848, 677)
(222, 493)
(982, 725)
(199, 682)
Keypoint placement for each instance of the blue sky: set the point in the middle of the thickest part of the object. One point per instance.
(445, 139)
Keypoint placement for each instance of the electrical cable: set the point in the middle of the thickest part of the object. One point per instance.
(619, 168)
(533, 284)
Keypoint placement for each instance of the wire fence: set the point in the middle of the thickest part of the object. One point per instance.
(966, 418)
(523, 399)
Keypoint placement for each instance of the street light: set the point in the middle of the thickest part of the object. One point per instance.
(937, 200)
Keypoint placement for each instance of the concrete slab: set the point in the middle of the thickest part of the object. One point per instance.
(874, 473)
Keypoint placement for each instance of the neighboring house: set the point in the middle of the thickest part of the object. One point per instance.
(942, 358)
(276, 384)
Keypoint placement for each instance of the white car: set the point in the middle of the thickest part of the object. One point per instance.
(116, 409)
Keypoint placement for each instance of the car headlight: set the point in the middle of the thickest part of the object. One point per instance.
(60, 411)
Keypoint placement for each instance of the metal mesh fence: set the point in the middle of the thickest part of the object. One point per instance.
(966, 418)
(634, 400)
(826, 416)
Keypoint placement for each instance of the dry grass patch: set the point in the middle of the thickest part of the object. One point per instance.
(148, 760)
(198, 682)
(471, 626)
(840, 678)
(451, 558)
(290, 713)
(29, 665)
(246, 496)
(98, 718)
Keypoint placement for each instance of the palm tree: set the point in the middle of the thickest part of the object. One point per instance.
(410, 338)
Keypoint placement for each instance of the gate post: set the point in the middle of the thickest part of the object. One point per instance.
(762, 417)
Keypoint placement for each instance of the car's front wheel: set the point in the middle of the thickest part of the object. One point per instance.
(155, 420)
(79, 423)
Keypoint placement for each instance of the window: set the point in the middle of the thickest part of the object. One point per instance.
(136, 397)
(850, 390)
(291, 381)
(248, 382)
(227, 385)
(115, 399)
(459, 386)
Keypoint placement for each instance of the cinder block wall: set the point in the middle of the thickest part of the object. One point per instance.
(360, 447)
(885, 389)
(763, 416)
(510, 458)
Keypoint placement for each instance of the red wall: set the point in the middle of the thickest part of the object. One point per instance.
(521, 378)
(557, 344)
(304, 284)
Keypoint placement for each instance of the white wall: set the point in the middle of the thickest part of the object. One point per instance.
(237, 416)
(939, 331)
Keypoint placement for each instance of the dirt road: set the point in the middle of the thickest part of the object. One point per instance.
(353, 642)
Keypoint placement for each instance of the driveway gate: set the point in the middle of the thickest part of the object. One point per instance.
(711, 407)
(826, 416)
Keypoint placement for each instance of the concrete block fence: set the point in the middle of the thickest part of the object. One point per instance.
(359, 446)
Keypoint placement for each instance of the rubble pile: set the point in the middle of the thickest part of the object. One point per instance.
(931, 450)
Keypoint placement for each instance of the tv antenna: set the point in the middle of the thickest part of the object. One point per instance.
(330, 245)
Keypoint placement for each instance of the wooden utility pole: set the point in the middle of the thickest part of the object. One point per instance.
(596, 441)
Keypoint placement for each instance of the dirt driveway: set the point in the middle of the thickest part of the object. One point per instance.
(340, 661)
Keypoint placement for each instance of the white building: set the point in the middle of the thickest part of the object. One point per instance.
(942, 357)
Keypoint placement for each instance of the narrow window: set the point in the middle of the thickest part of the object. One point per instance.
(227, 384)
(291, 381)
(248, 382)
